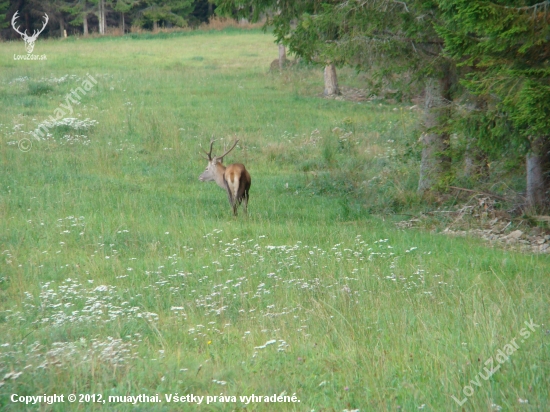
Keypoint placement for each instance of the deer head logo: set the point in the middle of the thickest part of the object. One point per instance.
(29, 40)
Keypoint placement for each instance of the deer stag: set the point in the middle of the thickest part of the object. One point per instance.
(29, 40)
(234, 178)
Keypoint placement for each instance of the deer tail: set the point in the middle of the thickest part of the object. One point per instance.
(232, 179)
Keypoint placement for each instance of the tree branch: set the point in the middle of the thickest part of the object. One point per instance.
(403, 4)
(534, 6)
(479, 192)
(544, 4)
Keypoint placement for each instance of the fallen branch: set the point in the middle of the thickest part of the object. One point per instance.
(478, 192)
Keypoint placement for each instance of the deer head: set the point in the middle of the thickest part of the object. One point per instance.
(234, 179)
(212, 171)
(29, 40)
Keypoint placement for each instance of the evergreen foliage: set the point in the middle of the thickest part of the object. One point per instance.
(4, 7)
(144, 13)
(506, 50)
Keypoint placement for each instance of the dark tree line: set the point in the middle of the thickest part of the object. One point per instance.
(83, 17)
(484, 67)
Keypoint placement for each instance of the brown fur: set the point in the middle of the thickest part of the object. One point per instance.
(234, 178)
(237, 181)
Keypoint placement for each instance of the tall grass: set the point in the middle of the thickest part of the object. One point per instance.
(122, 274)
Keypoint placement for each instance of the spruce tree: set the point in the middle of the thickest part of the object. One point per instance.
(505, 45)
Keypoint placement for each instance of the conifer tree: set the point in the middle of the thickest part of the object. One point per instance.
(4, 6)
(506, 46)
(123, 7)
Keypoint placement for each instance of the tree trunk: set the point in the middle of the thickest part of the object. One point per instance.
(435, 160)
(61, 26)
(475, 162)
(331, 81)
(475, 159)
(122, 22)
(537, 162)
(85, 24)
(101, 16)
(282, 56)
(155, 26)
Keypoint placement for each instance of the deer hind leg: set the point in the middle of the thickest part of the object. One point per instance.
(246, 189)
(243, 193)
(233, 194)
(233, 203)
(236, 197)
(245, 200)
(242, 196)
(230, 197)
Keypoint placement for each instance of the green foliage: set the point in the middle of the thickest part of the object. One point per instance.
(124, 6)
(122, 274)
(4, 21)
(506, 48)
(172, 11)
(39, 88)
(145, 13)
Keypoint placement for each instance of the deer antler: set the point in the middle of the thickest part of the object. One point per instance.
(209, 154)
(13, 19)
(35, 33)
(232, 147)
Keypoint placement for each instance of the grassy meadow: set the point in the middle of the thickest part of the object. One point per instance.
(122, 274)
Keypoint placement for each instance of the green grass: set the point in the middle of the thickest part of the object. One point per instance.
(122, 274)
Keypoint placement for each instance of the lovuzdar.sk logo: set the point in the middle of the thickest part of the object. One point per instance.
(29, 40)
